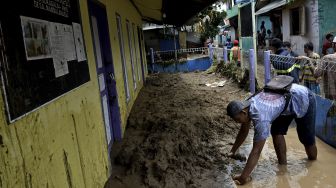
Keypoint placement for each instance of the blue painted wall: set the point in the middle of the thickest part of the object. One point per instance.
(325, 126)
(200, 64)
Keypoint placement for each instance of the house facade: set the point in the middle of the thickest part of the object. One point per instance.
(298, 21)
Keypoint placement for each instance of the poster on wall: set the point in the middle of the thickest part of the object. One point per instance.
(69, 43)
(80, 50)
(36, 38)
(43, 45)
(62, 47)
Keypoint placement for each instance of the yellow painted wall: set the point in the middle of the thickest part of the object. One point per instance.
(127, 12)
(63, 144)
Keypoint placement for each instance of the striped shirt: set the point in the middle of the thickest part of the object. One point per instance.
(308, 69)
(327, 69)
(266, 107)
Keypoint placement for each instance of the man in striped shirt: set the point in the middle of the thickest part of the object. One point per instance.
(308, 77)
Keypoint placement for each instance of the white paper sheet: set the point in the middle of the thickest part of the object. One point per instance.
(36, 38)
(80, 50)
(58, 50)
(61, 67)
(69, 43)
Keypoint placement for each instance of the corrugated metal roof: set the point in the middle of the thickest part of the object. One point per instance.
(176, 12)
(271, 6)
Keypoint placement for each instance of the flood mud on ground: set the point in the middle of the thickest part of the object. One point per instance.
(178, 135)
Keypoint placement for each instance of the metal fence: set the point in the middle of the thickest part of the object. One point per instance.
(245, 61)
(223, 54)
(181, 54)
(217, 55)
(319, 75)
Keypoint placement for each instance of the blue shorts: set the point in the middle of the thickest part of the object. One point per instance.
(305, 126)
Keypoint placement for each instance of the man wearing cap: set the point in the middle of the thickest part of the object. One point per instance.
(282, 67)
(271, 113)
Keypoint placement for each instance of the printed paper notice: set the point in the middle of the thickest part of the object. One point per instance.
(61, 67)
(57, 35)
(36, 38)
(69, 43)
(80, 51)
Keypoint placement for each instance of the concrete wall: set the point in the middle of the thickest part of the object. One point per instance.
(63, 144)
(326, 18)
(312, 29)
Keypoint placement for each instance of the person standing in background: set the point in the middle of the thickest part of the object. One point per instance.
(263, 33)
(327, 45)
(288, 46)
(290, 67)
(235, 53)
(327, 69)
(228, 43)
(308, 77)
(259, 39)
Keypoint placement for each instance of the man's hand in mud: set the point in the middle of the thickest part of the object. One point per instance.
(239, 180)
(236, 156)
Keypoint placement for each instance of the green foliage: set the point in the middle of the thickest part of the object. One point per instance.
(229, 70)
(210, 19)
(210, 23)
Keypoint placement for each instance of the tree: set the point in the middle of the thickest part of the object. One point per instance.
(209, 19)
(210, 24)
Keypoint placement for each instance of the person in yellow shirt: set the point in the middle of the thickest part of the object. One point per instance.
(235, 53)
(308, 78)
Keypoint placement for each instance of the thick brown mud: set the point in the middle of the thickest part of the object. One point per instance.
(178, 135)
(299, 172)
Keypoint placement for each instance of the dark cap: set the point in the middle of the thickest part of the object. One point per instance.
(235, 107)
(276, 43)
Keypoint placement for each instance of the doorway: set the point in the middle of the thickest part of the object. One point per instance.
(105, 71)
(139, 31)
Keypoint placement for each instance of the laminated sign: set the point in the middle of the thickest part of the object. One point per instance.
(42, 53)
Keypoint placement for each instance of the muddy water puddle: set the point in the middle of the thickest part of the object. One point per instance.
(299, 172)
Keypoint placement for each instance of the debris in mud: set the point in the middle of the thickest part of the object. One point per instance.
(176, 135)
(238, 74)
(216, 84)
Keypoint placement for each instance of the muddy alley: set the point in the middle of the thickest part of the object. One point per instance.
(178, 135)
